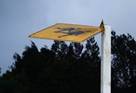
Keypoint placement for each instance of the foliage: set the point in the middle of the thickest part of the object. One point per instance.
(73, 68)
(123, 63)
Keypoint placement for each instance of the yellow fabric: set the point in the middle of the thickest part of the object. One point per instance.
(67, 32)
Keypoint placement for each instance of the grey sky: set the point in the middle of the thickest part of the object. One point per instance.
(19, 18)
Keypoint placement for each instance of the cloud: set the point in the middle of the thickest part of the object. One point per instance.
(19, 18)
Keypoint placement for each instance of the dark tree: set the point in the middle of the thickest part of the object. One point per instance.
(124, 62)
(73, 68)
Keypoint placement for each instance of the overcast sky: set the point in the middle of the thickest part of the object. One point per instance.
(20, 18)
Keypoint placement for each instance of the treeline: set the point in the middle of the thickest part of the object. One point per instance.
(73, 68)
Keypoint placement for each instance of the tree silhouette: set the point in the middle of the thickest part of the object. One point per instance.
(71, 68)
(123, 63)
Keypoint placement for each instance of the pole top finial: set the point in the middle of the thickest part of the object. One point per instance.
(102, 25)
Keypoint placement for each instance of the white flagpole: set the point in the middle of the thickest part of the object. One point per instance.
(106, 60)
